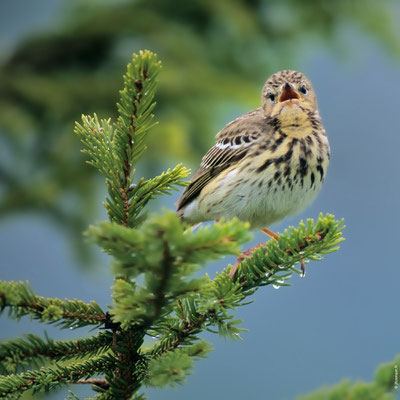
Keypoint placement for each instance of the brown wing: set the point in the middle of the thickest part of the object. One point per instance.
(234, 142)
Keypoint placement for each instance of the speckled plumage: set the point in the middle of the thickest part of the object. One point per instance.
(266, 164)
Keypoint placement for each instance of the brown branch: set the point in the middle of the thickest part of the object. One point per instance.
(37, 305)
(125, 201)
(20, 387)
(126, 365)
(30, 380)
(54, 353)
(38, 309)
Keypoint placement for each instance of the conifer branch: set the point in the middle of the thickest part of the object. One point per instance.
(130, 365)
(19, 298)
(33, 349)
(114, 149)
(146, 190)
(47, 378)
(134, 119)
(183, 333)
(271, 264)
(167, 255)
(171, 368)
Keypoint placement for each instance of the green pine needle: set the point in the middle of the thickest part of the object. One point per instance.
(274, 262)
(383, 387)
(172, 368)
(16, 354)
(20, 300)
(49, 378)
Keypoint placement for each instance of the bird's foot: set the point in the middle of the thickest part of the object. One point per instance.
(270, 233)
(195, 226)
(275, 236)
(249, 253)
(244, 254)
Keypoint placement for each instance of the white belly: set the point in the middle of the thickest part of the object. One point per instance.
(259, 204)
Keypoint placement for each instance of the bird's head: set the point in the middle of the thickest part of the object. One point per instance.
(289, 97)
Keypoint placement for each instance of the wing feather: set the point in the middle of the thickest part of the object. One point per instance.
(234, 142)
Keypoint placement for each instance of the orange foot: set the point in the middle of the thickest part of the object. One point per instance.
(275, 236)
(270, 233)
(249, 253)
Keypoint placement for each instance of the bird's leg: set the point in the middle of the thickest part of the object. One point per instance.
(235, 267)
(195, 226)
(249, 253)
(275, 236)
(243, 254)
(270, 233)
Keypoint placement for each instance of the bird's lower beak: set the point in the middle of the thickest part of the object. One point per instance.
(288, 93)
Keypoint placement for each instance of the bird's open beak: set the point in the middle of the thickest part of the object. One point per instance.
(288, 93)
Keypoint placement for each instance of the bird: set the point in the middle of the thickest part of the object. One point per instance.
(266, 164)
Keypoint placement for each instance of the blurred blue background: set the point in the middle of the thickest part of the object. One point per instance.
(341, 320)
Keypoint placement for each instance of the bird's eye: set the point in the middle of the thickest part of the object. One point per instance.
(271, 96)
(303, 89)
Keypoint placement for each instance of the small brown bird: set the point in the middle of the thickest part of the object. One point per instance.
(266, 164)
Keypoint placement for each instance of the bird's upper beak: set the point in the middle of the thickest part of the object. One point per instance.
(288, 93)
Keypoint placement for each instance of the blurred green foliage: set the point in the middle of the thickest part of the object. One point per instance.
(217, 54)
(384, 386)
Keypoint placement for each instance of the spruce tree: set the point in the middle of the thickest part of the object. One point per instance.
(155, 257)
